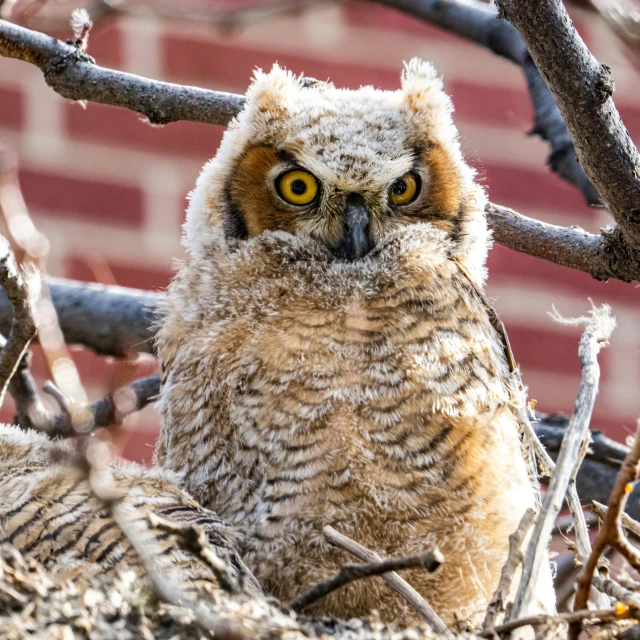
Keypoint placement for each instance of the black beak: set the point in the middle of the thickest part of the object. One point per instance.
(356, 239)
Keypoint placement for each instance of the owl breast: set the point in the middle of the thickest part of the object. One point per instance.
(375, 401)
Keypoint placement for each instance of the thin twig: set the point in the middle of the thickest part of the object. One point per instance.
(429, 560)
(606, 615)
(514, 558)
(20, 292)
(599, 325)
(399, 585)
(108, 412)
(611, 533)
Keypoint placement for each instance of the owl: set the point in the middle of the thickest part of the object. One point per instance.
(328, 356)
(49, 512)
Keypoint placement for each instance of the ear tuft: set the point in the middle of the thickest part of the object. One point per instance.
(423, 92)
(273, 91)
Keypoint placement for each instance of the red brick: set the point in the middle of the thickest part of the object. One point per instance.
(138, 443)
(216, 64)
(82, 198)
(517, 186)
(505, 264)
(120, 127)
(12, 108)
(545, 349)
(105, 42)
(90, 269)
(387, 19)
(491, 104)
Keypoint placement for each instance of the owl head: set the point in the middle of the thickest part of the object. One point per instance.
(345, 167)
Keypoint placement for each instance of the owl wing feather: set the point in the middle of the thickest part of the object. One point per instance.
(49, 512)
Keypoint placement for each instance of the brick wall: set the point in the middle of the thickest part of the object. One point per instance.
(109, 190)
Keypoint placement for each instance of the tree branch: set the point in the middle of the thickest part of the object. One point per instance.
(74, 75)
(498, 601)
(479, 22)
(602, 256)
(582, 88)
(22, 328)
(113, 321)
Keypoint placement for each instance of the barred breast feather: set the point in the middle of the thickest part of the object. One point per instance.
(373, 396)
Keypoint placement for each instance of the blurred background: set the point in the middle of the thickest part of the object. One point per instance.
(108, 189)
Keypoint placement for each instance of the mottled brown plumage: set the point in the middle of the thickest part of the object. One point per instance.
(331, 360)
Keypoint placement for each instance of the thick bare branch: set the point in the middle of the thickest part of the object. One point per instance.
(602, 256)
(582, 88)
(113, 321)
(479, 22)
(74, 75)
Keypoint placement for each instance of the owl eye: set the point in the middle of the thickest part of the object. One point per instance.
(297, 187)
(405, 189)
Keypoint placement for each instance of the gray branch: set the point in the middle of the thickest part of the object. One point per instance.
(602, 256)
(582, 88)
(479, 22)
(113, 321)
(74, 75)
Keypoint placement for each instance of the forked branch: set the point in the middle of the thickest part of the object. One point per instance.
(582, 88)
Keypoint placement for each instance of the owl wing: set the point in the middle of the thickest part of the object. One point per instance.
(49, 512)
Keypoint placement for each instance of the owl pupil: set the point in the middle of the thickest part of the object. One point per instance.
(298, 187)
(399, 187)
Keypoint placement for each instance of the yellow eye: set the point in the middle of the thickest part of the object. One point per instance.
(297, 187)
(405, 189)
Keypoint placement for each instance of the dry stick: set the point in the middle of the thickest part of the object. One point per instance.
(611, 533)
(429, 560)
(110, 411)
(399, 585)
(604, 615)
(23, 328)
(74, 75)
(499, 599)
(599, 326)
(166, 582)
(565, 523)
